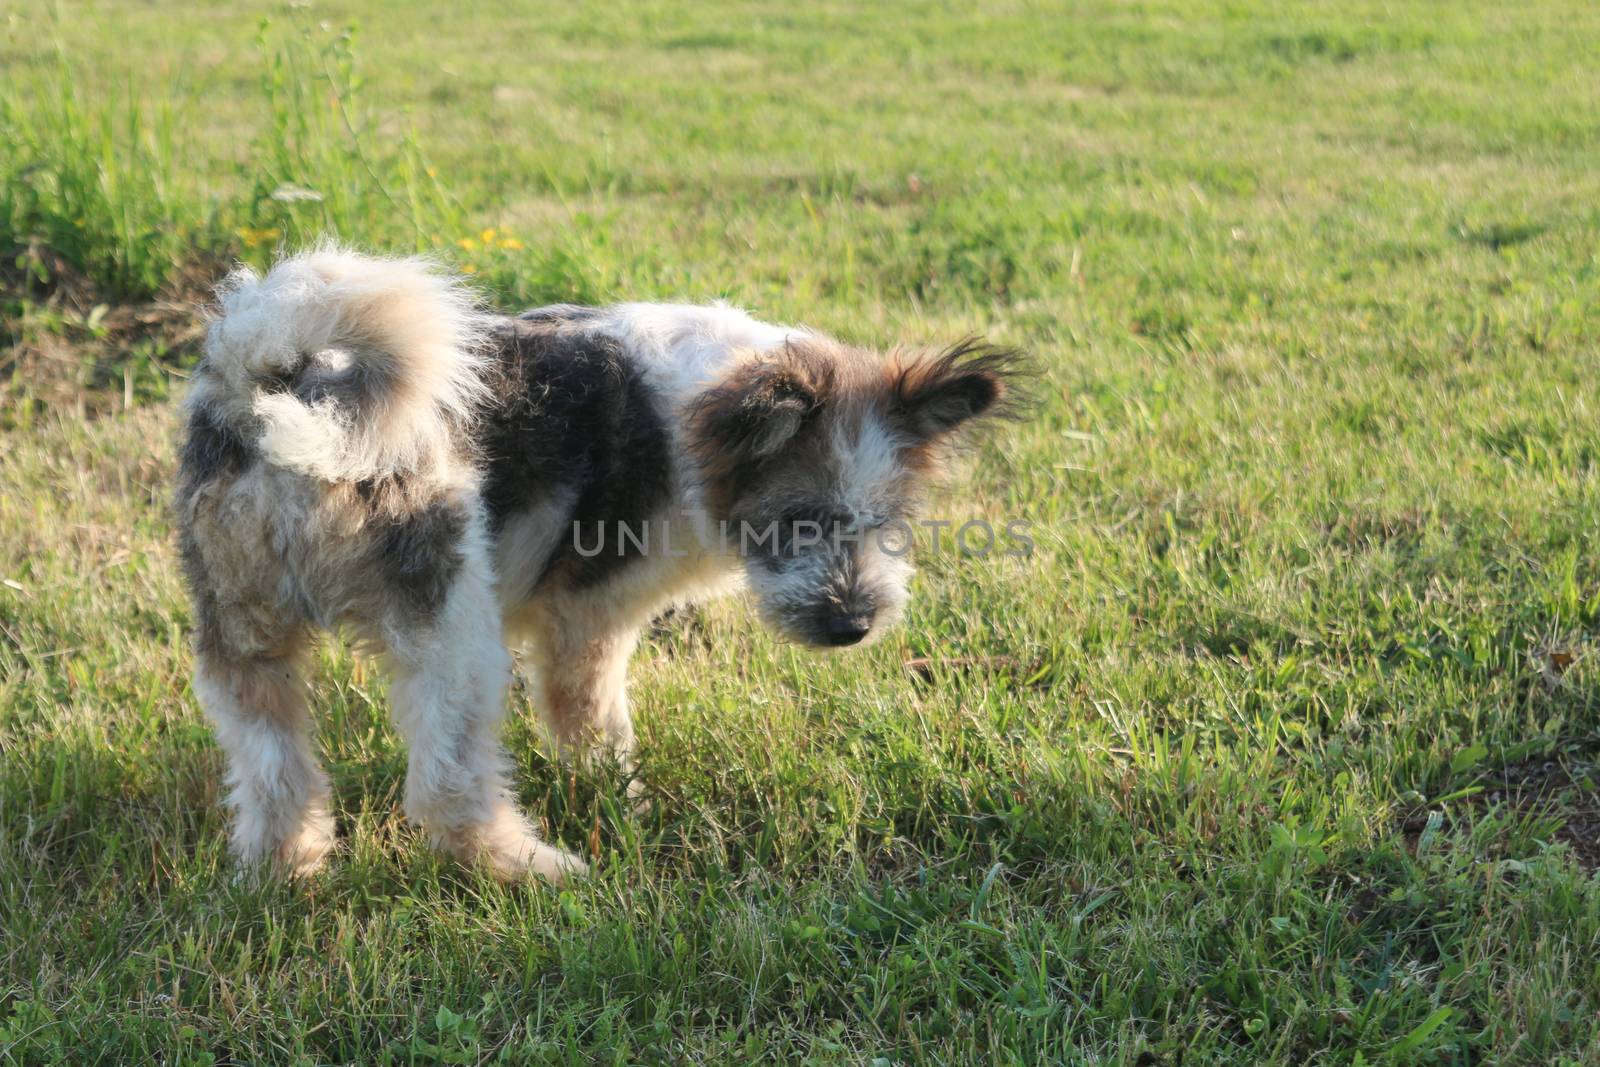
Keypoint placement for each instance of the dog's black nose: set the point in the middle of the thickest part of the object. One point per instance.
(848, 629)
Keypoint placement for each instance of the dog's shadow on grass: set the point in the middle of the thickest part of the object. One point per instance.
(153, 823)
(147, 815)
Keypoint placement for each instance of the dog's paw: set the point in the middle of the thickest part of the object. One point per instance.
(638, 800)
(555, 865)
(301, 853)
(307, 851)
(530, 858)
(507, 848)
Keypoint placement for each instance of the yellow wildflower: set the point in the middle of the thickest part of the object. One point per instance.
(511, 243)
(253, 238)
(467, 244)
(487, 235)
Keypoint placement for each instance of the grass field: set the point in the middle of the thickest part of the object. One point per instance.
(1282, 747)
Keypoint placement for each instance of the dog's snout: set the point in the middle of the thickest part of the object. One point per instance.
(848, 629)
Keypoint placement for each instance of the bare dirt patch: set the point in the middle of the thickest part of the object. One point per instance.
(1560, 790)
(70, 346)
(1543, 787)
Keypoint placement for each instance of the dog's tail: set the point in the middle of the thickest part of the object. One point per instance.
(343, 366)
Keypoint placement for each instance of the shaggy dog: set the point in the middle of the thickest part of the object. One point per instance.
(368, 451)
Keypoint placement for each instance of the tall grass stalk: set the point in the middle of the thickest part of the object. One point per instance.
(100, 185)
(111, 189)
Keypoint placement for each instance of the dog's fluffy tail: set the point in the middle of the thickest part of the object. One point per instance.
(343, 366)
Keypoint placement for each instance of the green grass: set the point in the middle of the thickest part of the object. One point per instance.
(1313, 476)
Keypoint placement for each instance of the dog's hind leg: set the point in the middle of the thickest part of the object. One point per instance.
(449, 696)
(278, 791)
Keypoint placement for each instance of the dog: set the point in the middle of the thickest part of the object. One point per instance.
(368, 451)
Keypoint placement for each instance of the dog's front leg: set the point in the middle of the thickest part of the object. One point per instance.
(581, 672)
(449, 698)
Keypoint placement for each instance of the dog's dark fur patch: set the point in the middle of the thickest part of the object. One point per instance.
(211, 450)
(361, 385)
(420, 554)
(207, 625)
(417, 541)
(571, 413)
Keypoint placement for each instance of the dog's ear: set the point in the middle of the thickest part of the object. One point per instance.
(933, 395)
(772, 411)
(759, 409)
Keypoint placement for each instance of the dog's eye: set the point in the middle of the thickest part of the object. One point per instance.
(806, 528)
(823, 517)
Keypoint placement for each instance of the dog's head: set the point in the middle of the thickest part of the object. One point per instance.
(816, 455)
